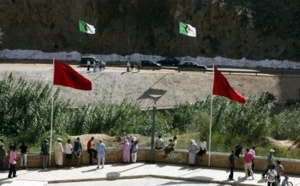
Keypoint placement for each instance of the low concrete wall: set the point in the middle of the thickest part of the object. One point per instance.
(218, 160)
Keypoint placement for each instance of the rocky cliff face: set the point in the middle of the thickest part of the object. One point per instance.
(253, 29)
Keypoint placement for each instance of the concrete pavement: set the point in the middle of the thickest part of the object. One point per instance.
(137, 170)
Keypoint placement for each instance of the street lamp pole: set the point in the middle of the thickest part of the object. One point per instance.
(152, 132)
(155, 97)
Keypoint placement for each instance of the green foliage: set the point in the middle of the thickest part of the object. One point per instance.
(286, 125)
(1, 34)
(26, 108)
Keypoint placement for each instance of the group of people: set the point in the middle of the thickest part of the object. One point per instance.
(59, 151)
(130, 149)
(193, 148)
(273, 172)
(12, 157)
(96, 65)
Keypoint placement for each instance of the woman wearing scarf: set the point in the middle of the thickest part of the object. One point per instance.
(126, 151)
(192, 152)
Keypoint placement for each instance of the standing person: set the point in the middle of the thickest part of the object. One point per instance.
(58, 151)
(270, 160)
(248, 163)
(126, 151)
(253, 153)
(101, 154)
(12, 162)
(280, 171)
(139, 64)
(238, 150)
(2, 154)
(23, 150)
(203, 148)
(192, 152)
(90, 150)
(128, 66)
(45, 153)
(69, 149)
(88, 63)
(133, 149)
(271, 176)
(77, 151)
(231, 164)
(94, 66)
(159, 144)
(132, 66)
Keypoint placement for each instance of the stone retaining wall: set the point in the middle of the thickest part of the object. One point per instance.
(218, 160)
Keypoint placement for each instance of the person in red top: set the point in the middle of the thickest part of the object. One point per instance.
(248, 163)
(12, 161)
(91, 150)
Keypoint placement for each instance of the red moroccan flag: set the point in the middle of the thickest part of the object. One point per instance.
(66, 76)
(223, 88)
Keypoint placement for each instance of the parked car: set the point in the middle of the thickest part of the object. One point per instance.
(147, 64)
(191, 66)
(92, 59)
(169, 61)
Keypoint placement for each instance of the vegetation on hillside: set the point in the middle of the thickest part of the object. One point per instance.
(25, 114)
(1, 37)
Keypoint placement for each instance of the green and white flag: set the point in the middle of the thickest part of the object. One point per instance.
(86, 28)
(187, 29)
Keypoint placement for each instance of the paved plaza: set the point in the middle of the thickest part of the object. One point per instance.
(137, 170)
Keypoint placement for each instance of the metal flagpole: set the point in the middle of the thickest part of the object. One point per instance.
(52, 102)
(210, 123)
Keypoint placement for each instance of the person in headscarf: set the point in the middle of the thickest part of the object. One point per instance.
(133, 149)
(126, 151)
(192, 152)
(58, 151)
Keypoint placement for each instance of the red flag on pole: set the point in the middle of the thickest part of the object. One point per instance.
(223, 88)
(66, 76)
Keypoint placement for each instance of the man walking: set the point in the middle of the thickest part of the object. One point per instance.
(101, 154)
(231, 165)
(91, 150)
(270, 162)
(248, 163)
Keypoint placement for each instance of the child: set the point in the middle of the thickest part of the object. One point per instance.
(12, 161)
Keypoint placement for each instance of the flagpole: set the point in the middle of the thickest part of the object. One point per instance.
(210, 123)
(52, 102)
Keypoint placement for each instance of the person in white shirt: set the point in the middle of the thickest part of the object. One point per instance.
(203, 147)
(69, 149)
(159, 144)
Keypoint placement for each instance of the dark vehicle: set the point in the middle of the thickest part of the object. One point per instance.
(147, 64)
(169, 61)
(91, 59)
(191, 66)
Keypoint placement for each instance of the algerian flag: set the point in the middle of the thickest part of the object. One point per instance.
(86, 28)
(187, 29)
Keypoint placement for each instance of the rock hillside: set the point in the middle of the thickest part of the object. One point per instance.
(253, 29)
